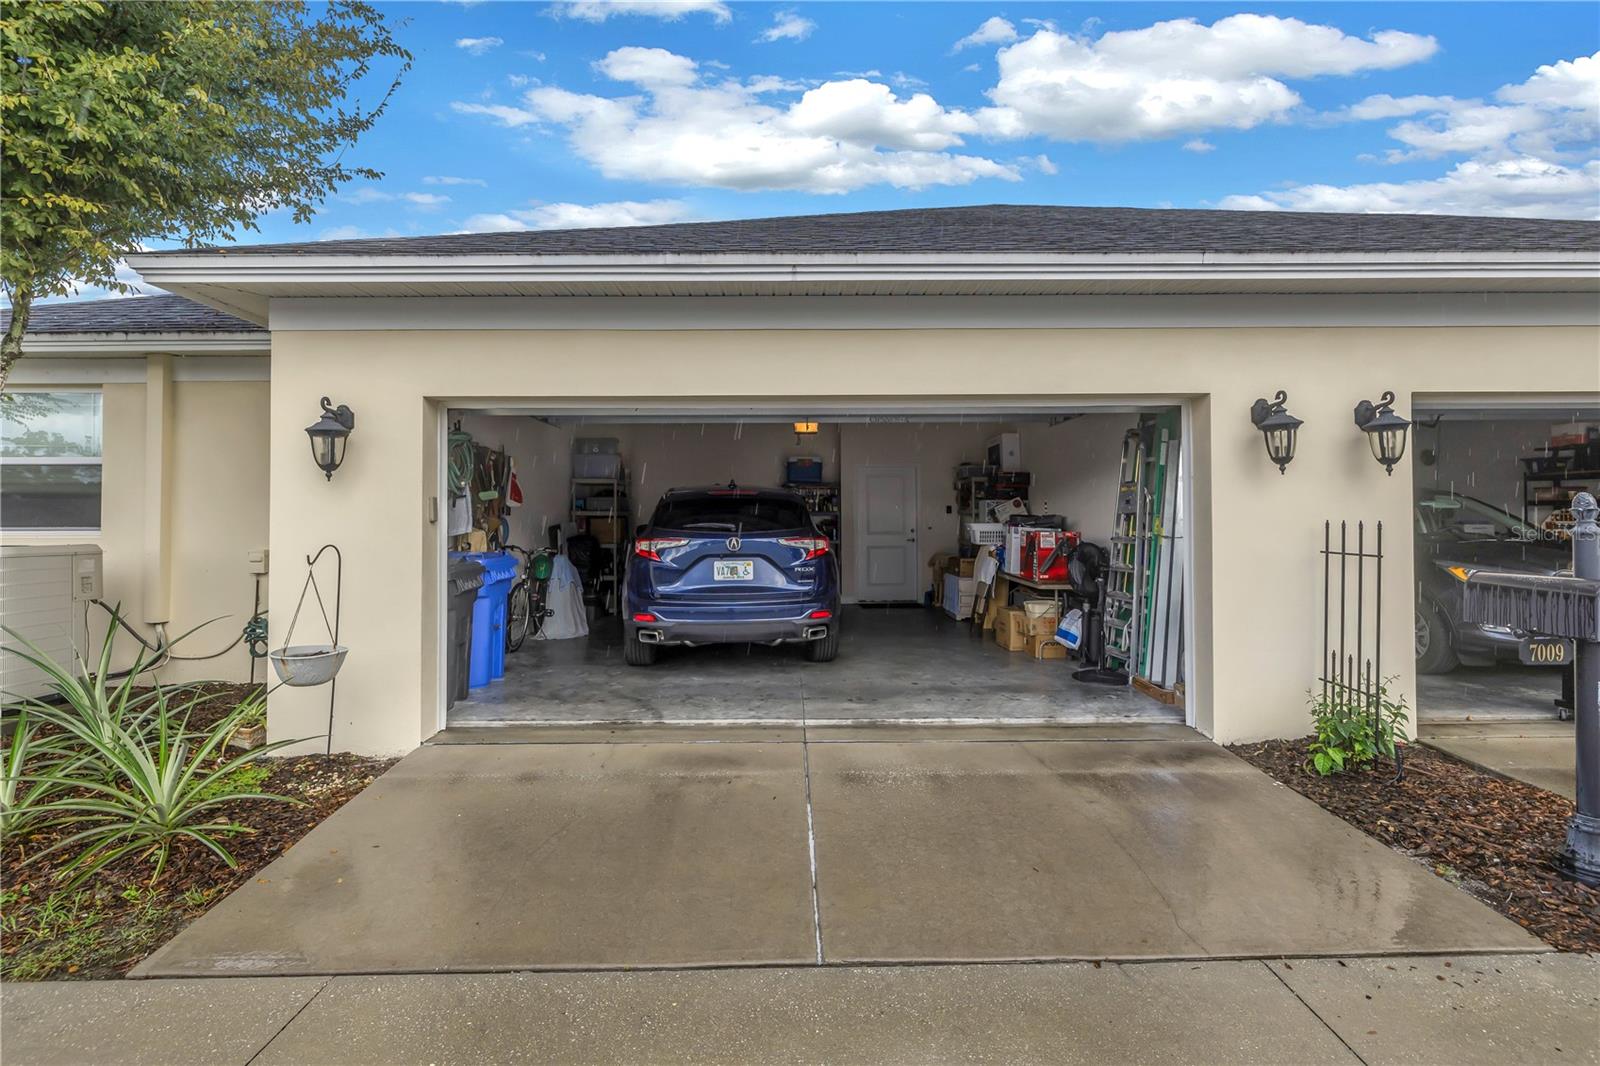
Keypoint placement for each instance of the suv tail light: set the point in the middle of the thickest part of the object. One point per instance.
(652, 547)
(812, 546)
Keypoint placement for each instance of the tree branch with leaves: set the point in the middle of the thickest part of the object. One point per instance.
(125, 123)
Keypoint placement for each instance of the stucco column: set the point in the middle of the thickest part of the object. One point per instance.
(370, 510)
(1264, 618)
(156, 571)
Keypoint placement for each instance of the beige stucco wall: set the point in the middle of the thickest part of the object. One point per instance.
(216, 508)
(1256, 534)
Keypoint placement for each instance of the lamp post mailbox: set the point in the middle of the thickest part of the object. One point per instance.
(1566, 607)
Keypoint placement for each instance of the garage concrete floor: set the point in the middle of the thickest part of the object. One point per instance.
(1117, 842)
(894, 663)
(1489, 694)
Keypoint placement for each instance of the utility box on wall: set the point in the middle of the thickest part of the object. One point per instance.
(45, 593)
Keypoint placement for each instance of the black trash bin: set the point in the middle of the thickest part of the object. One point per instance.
(463, 581)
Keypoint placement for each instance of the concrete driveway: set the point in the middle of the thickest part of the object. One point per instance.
(1541, 753)
(662, 847)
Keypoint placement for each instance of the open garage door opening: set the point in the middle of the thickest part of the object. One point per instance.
(1494, 483)
(818, 565)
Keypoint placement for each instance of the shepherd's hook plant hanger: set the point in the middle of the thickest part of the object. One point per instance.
(305, 665)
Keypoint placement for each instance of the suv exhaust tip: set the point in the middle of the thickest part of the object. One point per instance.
(649, 636)
(816, 632)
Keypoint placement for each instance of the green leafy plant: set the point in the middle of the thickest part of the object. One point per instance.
(140, 778)
(1354, 730)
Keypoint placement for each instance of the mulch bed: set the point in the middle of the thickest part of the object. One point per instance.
(1489, 835)
(108, 925)
(218, 699)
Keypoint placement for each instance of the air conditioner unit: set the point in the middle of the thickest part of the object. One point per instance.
(45, 591)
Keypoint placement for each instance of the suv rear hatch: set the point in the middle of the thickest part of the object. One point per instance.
(731, 547)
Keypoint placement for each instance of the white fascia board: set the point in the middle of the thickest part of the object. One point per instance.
(931, 312)
(126, 344)
(245, 271)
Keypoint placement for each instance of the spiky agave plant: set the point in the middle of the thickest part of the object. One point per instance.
(142, 779)
(26, 752)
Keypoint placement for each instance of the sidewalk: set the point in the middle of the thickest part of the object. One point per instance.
(1425, 1009)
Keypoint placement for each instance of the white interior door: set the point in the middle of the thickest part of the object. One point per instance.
(885, 534)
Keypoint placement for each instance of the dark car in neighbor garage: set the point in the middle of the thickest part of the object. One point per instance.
(1455, 535)
(730, 565)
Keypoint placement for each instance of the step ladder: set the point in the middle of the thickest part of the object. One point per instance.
(1123, 605)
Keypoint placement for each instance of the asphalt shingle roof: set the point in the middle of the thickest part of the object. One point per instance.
(134, 314)
(998, 228)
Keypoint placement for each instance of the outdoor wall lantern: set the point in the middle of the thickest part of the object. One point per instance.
(1278, 427)
(1385, 430)
(329, 435)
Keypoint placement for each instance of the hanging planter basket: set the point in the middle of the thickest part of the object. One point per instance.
(305, 665)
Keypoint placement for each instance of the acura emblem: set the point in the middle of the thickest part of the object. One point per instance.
(733, 544)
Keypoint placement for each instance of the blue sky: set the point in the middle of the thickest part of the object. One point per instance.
(521, 115)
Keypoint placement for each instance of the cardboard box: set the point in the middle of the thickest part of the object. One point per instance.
(1046, 647)
(607, 530)
(1011, 629)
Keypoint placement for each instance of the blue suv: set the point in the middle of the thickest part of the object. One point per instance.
(730, 566)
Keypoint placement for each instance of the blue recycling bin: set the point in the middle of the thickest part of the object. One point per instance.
(487, 657)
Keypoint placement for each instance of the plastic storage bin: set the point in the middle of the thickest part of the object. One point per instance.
(487, 655)
(464, 580)
(803, 470)
(596, 464)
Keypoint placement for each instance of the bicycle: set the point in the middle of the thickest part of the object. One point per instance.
(526, 608)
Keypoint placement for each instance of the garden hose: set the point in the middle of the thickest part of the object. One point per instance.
(460, 462)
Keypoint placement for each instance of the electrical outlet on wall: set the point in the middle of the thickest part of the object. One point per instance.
(256, 558)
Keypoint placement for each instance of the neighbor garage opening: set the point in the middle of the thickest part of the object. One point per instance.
(824, 564)
(1494, 482)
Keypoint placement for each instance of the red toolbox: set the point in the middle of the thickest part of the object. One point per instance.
(1045, 553)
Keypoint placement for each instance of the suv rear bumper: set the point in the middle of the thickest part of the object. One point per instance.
(691, 632)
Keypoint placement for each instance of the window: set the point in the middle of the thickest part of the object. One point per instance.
(730, 512)
(50, 460)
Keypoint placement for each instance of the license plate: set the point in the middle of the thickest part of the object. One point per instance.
(1546, 651)
(734, 570)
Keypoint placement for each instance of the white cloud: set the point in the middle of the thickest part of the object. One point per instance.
(1533, 150)
(1176, 77)
(1045, 164)
(510, 116)
(445, 179)
(478, 45)
(1199, 145)
(692, 129)
(371, 194)
(787, 26)
(869, 113)
(647, 67)
(1525, 187)
(352, 233)
(995, 30)
(581, 216)
(669, 10)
